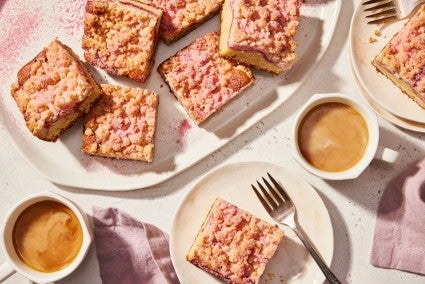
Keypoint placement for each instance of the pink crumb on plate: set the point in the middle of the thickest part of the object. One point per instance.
(183, 128)
(15, 39)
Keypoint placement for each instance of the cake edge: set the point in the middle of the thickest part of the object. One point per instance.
(190, 254)
(401, 84)
(190, 28)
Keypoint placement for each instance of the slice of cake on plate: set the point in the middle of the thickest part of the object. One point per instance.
(402, 60)
(122, 124)
(234, 245)
(120, 37)
(260, 33)
(202, 81)
(181, 17)
(53, 91)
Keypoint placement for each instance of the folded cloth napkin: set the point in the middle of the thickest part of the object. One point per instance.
(129, 251)
(399, 240)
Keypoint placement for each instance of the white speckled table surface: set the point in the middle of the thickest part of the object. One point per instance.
(351, 204)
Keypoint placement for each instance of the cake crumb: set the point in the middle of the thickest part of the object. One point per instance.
(377, 33)
(372, 39)
(271, 276)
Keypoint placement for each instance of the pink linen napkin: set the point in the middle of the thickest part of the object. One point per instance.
(399, 240)
(129, 251)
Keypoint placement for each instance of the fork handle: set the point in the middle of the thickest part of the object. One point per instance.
(322, 265)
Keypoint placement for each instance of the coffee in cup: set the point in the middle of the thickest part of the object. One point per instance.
(336, 137)
(333, 137)
(45, 238)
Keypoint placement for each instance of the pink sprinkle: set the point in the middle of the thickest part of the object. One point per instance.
(12, 43)
(71, 16)
(184, 127)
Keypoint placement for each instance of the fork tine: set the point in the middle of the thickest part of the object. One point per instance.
(267, 196)
(382, 20)
(381, 6)
(262, 200)
(279, 188)
(389, 12)
(276, 196)
(372, 2)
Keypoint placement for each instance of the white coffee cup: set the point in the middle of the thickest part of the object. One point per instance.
(373, 149)
(15, 264)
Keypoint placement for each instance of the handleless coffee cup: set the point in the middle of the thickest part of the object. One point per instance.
(315, 116)
(14, 261)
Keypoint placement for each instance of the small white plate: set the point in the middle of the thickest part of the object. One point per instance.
(292, 263)
(377, 86)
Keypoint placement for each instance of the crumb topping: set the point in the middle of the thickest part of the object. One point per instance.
(50, 87)
(267, 27)
(405, 53)
(122, 124)
(179, 15)
(202, 80)
(120, 37)
(235, 244)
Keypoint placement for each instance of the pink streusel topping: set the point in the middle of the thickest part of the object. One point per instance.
(234, 244)
(405, 53)
(51, 87)
(120, 37)
(179, 15)
(122, 125)
(202, 80)
(266, 27)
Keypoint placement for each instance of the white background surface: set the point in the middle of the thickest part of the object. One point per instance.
(351, 204)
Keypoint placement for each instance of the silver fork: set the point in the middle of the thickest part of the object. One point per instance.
(390, 10)
(281, 208)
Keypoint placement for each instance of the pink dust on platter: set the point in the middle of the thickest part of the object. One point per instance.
(16, 31)
(183, 129)
(70, 15)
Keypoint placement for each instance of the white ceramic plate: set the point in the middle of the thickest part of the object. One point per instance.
(403, 123)
(292, 262)
(377, 86)
(26, 29)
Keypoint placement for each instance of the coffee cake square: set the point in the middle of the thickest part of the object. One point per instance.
(53, 91)
(234, 245)
(122, 124)
(402, 60)
(202, 81)
(120, 37)
(260, 33)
